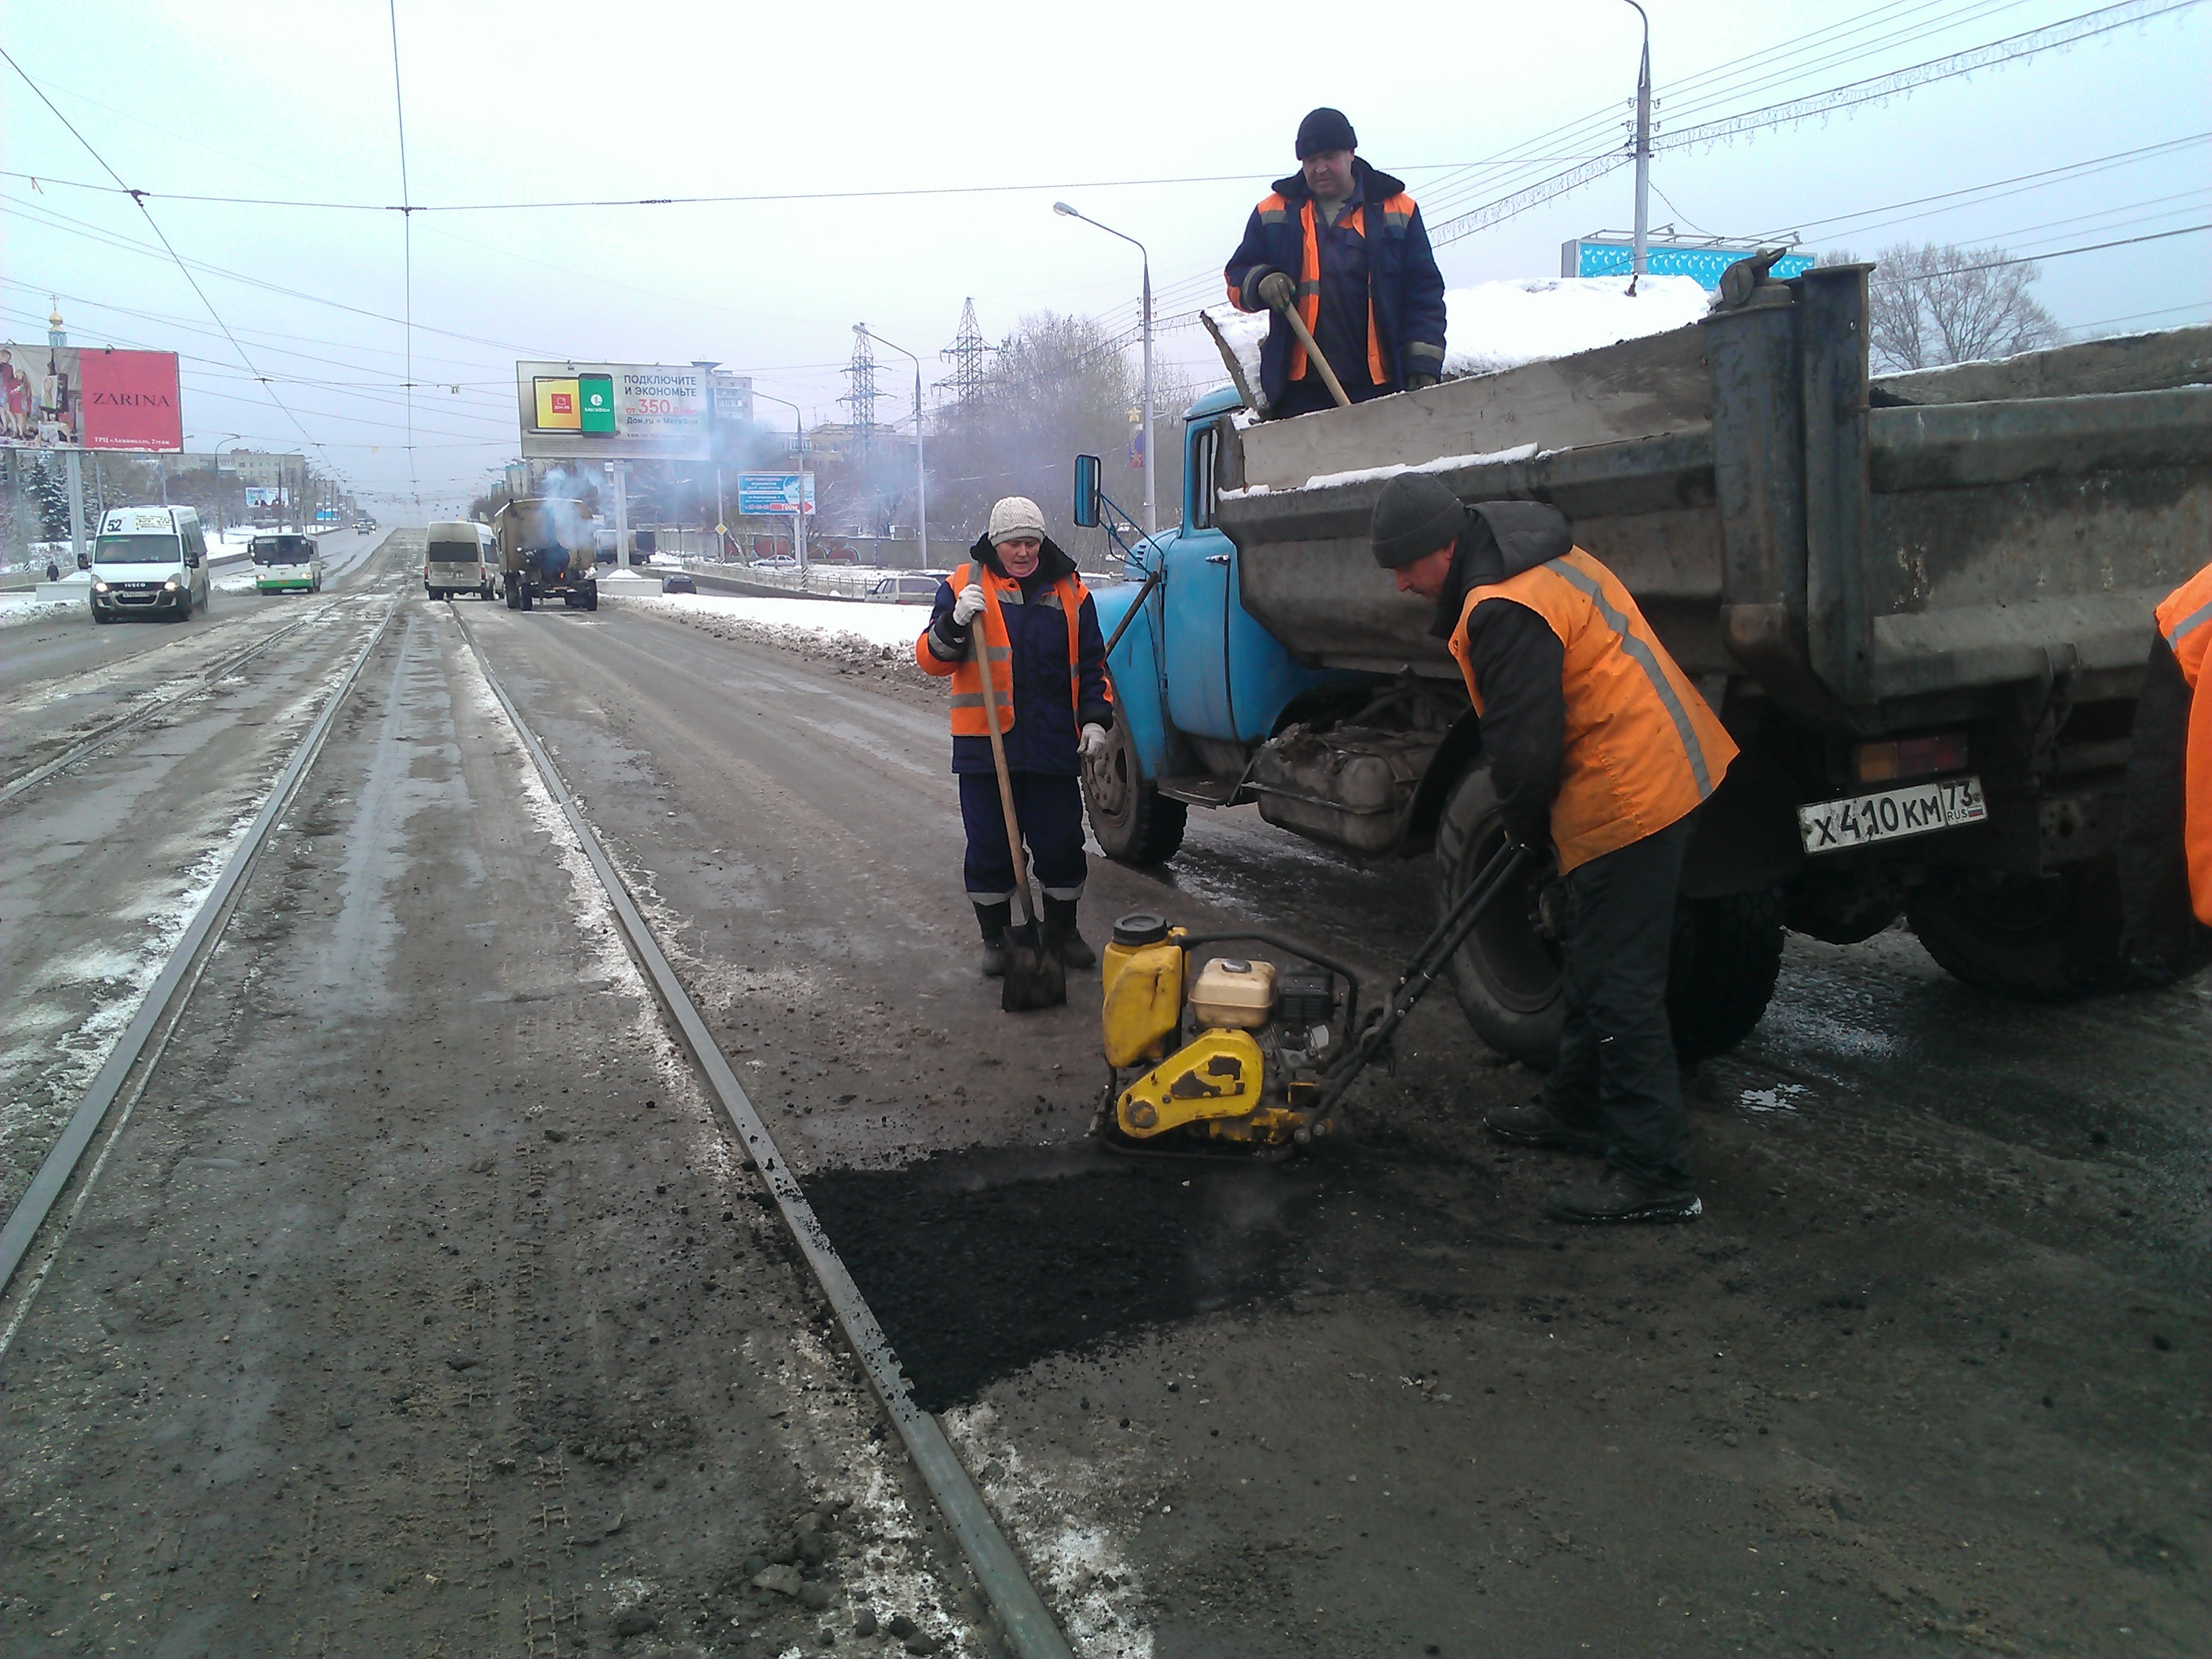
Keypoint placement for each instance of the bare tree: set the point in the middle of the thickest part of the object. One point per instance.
(1933, 306)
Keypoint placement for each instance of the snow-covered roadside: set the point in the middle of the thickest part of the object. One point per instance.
(17, 609)
(819, 619)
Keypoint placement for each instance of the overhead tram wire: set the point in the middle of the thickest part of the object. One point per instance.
(407, 246)
(268, 390)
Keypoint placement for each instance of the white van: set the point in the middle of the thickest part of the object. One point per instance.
(149, 561)
(287, 562)
(460, 558)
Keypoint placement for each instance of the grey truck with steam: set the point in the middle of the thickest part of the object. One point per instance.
(1922, 605)
(545, 551)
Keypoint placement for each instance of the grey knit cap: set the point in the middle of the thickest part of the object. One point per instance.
(1416, 514)
(1015, 517)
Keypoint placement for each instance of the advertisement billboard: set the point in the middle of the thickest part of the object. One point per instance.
(1615, 256)
(263, 496)
(626, 411)
(64, 398)
(775, 492)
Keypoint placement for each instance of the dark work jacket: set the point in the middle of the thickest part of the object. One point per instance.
(1045, 730)
(1516, 658)
(1399, 275)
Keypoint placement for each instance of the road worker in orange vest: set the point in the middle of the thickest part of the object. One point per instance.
(1048, 672)
(2165, 826)
(1600, 749)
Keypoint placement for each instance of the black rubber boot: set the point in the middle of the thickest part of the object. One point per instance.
(1537, 1124)
(993, 919)
(1060, 933)
(1617, 1196)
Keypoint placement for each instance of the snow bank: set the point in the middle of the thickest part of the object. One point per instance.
(826, 619)
(1494, 326)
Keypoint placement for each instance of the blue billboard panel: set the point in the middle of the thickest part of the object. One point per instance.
(1607, 256)
(775, 492)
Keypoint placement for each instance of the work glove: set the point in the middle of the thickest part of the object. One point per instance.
(969, 605)
(1096, 742)
(1277, 290)
(1419, 382)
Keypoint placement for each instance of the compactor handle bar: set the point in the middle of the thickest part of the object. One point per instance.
(1429, 961)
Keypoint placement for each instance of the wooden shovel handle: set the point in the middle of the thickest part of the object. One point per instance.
(1005, 781)
(1305, 338)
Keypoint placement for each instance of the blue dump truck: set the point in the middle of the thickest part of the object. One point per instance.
(1920, 604)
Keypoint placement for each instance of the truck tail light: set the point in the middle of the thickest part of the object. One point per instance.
(1909, 758)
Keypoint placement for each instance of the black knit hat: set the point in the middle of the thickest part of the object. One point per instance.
(1325, 129)
(1414, 516)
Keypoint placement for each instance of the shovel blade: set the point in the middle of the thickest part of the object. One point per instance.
(1036, 978)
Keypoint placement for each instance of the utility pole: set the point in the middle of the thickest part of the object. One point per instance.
(1151, 503)
(921, 475)
(73, 460)
(1641, 258)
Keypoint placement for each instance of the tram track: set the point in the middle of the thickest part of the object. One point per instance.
(162, 1005)
(1031, 1629)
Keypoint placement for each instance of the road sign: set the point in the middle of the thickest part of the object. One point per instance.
(775, 492)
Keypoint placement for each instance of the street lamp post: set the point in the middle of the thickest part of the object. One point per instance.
(1641, 258)
(920, 478)
(798, 449)
(1151, 504)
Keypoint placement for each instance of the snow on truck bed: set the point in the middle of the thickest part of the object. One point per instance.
(1494, 326)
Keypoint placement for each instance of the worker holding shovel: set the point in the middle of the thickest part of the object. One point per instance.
(1339, 253)
(1016, 632)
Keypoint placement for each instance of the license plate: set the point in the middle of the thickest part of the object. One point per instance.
(1919, 809)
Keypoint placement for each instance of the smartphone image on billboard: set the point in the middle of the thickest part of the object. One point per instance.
(597, 394)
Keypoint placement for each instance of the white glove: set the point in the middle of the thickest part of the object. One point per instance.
(1096, 742)
(969, 605)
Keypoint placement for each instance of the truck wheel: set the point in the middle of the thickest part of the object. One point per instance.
(1507, 974)
(590, 596)
(1725, 955)
(522, 596)
(2040, 938)
(1133, 821)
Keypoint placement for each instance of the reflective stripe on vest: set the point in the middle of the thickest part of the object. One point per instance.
(2185, 617)
(1642, 748)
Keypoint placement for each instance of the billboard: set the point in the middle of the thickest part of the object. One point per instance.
(264, 496)
(775, 492)
(1615, 256)
(64, 398)
(613, 411)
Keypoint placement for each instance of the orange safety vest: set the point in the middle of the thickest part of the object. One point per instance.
(1643, 749)
(1273, 210)
(1067, 594)
(2185, 621)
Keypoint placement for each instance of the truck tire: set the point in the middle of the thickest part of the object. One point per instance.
(590, 596)
(2047, 938)
(1726, 954)
(1507, 975)
(522, 596)
(1135, 824)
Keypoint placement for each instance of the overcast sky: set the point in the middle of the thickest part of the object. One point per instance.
(508, 103)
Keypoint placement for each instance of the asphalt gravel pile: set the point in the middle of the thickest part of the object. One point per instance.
(979, 1263)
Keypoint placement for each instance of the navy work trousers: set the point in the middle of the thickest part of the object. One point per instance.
(1617, 1052)
(1051, 813)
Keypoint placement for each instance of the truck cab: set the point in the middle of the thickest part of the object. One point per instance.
(1198, 684)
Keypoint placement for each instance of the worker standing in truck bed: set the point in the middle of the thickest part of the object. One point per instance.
(1602, 748)
(1344, 245)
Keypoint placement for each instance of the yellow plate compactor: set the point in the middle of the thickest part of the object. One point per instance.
(1241, 1058)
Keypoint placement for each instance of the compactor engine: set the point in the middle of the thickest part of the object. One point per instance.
(1215, 1052)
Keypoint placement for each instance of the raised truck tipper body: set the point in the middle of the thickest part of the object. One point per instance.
(545, 552)
(1922, 607)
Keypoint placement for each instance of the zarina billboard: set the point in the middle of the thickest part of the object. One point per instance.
(632, 411)
(62, 398)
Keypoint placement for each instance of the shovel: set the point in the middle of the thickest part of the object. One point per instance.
(1290, 314)
(1036, 978)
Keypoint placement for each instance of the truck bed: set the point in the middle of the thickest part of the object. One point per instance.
(1861, 549)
